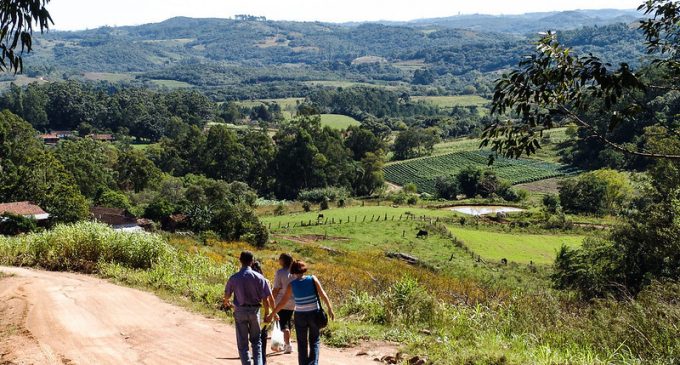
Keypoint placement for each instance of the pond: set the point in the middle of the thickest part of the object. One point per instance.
(485, 209)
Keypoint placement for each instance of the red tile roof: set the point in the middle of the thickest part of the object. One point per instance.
(21, 208)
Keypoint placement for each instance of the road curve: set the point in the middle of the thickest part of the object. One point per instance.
(65, 318)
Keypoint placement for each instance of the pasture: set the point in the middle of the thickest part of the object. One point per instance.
(424, 171)
(385, 228)
(171, 84)
(337, 121)
(520, 248)
(448, 102)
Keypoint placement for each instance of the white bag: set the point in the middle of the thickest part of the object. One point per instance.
(277, 338)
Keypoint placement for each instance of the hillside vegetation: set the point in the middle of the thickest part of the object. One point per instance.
(274, 59)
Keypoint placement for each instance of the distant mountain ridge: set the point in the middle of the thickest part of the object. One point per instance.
(529, 22)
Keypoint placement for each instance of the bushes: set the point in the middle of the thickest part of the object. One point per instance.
(12, 224)
(321, 194)
(82, 247)
(598, 192)
(447, 188)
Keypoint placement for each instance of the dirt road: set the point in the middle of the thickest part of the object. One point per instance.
(62, 318)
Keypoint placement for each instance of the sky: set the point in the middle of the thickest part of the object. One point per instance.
(84, 14)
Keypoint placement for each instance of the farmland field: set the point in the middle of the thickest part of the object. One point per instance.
(424, 171)
(171, 84)
(448, 102)
(337, 121)
(520, 248)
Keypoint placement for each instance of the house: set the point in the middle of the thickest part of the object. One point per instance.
(118, 219)
(102, 137)
(63, 134)
(25, 209)
(49, 138)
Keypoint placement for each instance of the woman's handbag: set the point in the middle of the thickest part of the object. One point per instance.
(321, 316)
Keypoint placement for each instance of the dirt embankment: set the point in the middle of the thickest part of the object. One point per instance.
(62, 318)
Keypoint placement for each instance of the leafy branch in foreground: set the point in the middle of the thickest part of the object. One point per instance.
(16, 29)
(555, 85)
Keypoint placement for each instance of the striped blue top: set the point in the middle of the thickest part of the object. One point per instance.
(304, 292)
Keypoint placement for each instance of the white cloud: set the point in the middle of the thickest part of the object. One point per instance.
(80, 14)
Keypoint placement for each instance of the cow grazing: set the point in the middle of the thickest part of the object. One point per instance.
(422, 233)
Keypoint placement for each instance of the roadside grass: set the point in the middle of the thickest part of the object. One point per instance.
(470, 314)
(337, 121)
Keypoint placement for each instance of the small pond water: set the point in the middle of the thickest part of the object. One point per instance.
(485, 209)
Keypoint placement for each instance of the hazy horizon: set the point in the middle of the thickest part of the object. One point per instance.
(68, 14)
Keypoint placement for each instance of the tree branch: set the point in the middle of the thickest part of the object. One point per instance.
(611, 144)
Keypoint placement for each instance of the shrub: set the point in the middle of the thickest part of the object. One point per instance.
(318, 195)
(447, 187)
(324, 205)
(598, 192)
(280, 209)
(410, 188)
(412, 200)
(408, 302)
(307, 206)
(551, 203)
(12, 224)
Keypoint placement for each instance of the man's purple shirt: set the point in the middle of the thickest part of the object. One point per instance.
(248, 287)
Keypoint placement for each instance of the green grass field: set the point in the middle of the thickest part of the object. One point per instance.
(424, 171)
(172, 84)
(337, 121)
(520, 248)
(365, 232)
(448, 102)
(108, 76)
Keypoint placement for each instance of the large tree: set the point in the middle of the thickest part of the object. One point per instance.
(554, 85)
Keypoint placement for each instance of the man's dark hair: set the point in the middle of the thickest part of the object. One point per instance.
(246, 258)
(287, 260)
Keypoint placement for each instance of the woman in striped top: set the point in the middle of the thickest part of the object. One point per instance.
(304, 290)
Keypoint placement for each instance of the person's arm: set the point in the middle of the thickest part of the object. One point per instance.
(277, 285)
(228, 291)
(324, 298)
(284, 300)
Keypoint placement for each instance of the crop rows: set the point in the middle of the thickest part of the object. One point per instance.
(423, 172)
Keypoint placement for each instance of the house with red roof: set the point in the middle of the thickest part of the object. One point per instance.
(25, 209)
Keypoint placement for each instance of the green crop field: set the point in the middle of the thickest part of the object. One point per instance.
(424, 171)
(337, 121)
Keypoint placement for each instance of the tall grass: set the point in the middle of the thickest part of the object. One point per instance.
(82, 247)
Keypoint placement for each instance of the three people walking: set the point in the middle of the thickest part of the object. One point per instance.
(295, 293)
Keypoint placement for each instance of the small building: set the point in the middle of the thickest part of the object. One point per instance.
(63, 134)
(118, 219)
(49, 138)
(102, 137)
(25, 209)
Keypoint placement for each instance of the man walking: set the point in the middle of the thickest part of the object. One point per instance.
(251, 291)
(281, 282)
